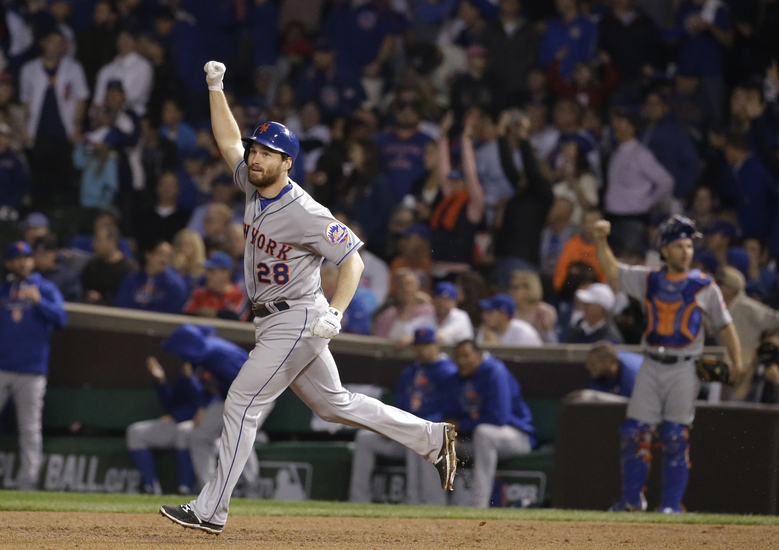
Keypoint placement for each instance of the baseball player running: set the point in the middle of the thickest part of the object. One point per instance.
(667, 384)
(288, 235)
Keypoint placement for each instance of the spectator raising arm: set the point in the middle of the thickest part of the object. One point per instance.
(475, 192)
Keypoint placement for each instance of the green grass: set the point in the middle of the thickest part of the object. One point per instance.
(140, 504)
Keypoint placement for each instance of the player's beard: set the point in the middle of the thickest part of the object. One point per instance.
(267, 177)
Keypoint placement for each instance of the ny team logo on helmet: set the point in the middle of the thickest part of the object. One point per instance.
(273, 136)
(676, 227)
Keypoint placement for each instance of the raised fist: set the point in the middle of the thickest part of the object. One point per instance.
(215, 72)
(601, 229)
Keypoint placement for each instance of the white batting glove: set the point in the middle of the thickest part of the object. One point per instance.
(215, 72)
(327, 325)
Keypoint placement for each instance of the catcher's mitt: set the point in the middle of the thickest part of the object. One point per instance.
(712, 369)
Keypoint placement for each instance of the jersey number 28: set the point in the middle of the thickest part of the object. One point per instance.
(280, 274)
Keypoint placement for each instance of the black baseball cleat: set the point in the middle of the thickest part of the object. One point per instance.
(184, 516)
(447, 459)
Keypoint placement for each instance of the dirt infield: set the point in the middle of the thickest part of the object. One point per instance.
(22, 530)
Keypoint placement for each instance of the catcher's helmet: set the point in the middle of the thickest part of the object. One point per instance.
(674, 228)
(274, 136)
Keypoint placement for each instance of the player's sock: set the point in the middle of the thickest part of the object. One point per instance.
(676, 465)
(635, 458)
(186, 470)
(145, 462)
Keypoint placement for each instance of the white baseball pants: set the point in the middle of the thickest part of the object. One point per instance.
(27, 391)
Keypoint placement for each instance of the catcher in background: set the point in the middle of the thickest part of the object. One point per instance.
(675, 298)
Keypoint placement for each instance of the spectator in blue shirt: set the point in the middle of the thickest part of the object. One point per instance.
(402, 149)
(612, 371)
(485, 400)
(13, 178)
(420, 391)
(706, 31)
(175, 129)
(571, 31)
(363, 34)
(30, 308)
(156, 287)
(757, 198)
(181, 399)
(335, 87)
(671, 144)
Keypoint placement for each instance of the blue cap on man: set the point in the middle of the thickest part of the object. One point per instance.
(499, 302)
(220, 260)
(16, 249)
(425, 335)
(446, 290)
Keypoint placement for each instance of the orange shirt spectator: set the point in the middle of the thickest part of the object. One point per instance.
(579, 248)
(220, 297)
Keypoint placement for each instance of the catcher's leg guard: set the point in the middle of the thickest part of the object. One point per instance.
(636, 438)
(675, 439)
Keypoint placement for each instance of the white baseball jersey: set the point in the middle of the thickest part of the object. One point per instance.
(287, 240)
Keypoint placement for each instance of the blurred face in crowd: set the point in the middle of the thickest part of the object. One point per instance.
(678, 255)
(468, 13)
(217, 279)
(168, 189)
(561, 211)
(20, 267)
(443, 305)
(406, 286)
(114, 99)
(477, 63)
(223, 192)
(702, 202)
(45, 260)
(356, 154)
(623, 129)
(158, 260)
(716, 241)
(323, 59)
(426, 353)
(537, 114)
(566, 115)
(266, 166)
(309, 115)
(582, 75)
(536, 83)
(53, 45)
(655, 108)
(564, 6)
(32, 234)
(686, 85)
(103, 14)
(509, 8)
(594, 313)
(467, 358)
(217, 221)
(601, 364)
(125, 43)
(402, 218)
(102, 242)
(171, 114)
(495, 320)
(407, 116)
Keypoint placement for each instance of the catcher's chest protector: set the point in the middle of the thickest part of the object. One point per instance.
(673, 315)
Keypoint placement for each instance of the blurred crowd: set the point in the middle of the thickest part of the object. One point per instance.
(472, 144)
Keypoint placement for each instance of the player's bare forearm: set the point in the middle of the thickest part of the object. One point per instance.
(226, 131)
(733, 344)
(607, 261)
(348, 281)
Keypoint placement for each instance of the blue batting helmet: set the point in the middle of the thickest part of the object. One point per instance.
(674, 228)
(274, 136)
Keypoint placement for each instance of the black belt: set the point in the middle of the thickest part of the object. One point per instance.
(667, 359)
(263, 310)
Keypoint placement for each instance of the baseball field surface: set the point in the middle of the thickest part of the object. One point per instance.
(87, 521)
